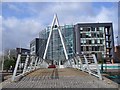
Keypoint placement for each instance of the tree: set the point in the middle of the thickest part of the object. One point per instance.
(10, 53)
(9, 59)
(1, 61)
(8, 63)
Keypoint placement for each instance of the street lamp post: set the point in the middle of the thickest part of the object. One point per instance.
(117, 40)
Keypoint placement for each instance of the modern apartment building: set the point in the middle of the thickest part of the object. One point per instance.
(95, 38)
(80, 38)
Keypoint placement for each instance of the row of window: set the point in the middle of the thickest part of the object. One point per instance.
(92, 48)
(96, 41)
(91, 28)
(91, 35)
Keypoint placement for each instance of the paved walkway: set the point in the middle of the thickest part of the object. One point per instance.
(60, 78)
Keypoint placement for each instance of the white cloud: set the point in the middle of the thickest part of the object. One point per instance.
(15, 8)
(104, 15)
(83, 12)
(18, 30)
(64, 10)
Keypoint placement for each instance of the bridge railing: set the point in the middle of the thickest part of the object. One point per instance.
(86, 63)
(26, 64)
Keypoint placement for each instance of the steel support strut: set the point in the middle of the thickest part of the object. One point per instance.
(55, 20)
(16, 66)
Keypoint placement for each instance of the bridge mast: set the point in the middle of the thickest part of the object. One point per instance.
(55, 22)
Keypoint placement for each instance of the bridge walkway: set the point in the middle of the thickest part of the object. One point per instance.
(60, 78)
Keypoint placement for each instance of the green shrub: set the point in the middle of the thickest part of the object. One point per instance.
(8, 63)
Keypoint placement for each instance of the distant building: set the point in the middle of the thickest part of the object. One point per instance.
(81, 38)
(37, 46)
(22, 51)
(95, 38)
(117, 54)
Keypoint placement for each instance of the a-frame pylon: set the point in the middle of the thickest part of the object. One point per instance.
(55, 22)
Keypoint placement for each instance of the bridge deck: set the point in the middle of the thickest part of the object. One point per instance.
(59, 78)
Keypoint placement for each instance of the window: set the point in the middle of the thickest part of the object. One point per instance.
(97, 29)
(81, 35)
(90, 48)
(87, 48)
(101, 41)
(96, 48)
(98, 34)
(101, 28)
(82, 48)
(84, 41)
(93, 29)
(93, 41)
(88, 35)
(93, 35)
(89, 41)
(93, 48)
(102, 48)
(98, 41)
(81, 28)
(101, 35)
(86, 29)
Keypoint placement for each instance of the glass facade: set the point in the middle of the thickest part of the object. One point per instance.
(55, 48)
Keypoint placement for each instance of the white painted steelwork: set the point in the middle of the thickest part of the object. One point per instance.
(55, 20)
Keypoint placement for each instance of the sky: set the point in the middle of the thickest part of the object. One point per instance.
(22, 21)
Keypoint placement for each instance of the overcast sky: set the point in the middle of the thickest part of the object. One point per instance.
(22, 22)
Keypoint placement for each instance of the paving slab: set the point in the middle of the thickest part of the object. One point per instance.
(60, 78)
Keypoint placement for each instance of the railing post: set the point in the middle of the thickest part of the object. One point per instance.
(70, 62)
(26, 62)
(31, 63)
(16, 66)
(36, 62)
(59, 63)
(77, 59)
(81, 65)
(73, 64)
(86, 61)
(98, 70)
